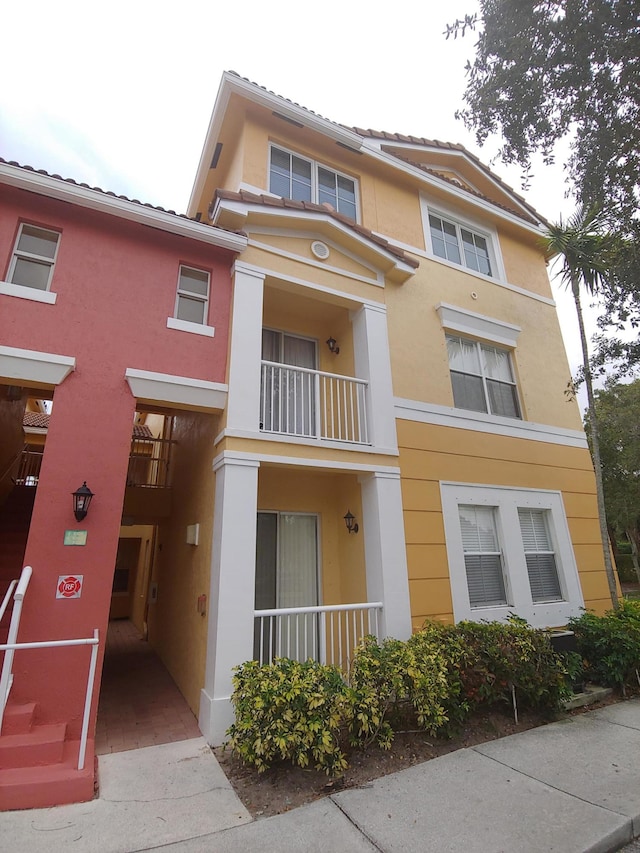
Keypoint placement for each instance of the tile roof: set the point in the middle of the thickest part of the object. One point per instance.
(93, 189)
(534, 216)
(40, 420)
(291, 204)
(452, 146)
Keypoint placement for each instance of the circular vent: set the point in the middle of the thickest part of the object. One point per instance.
(320, 250)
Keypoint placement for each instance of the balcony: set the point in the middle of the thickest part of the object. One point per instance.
(298, 401)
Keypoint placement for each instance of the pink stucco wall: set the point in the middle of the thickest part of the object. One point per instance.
(116, 284)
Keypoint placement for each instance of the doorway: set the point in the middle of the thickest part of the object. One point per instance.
(286, 576)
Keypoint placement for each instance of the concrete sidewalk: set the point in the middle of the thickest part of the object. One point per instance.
(569, 786)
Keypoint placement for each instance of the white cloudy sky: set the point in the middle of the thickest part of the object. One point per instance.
(119, 94)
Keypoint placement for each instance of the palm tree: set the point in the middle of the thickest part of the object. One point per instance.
(587, 248)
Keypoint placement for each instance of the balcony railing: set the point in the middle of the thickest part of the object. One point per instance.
(328, 634)
(313, 404)
(149, 463)
(29, 466)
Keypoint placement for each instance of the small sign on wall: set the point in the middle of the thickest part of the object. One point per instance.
(75, 537)
(69, 586)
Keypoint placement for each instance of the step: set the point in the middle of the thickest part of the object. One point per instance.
(42, 745)
(50, 785)
(18, 718)
(591, 693)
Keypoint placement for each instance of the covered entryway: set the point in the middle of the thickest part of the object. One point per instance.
(140, 704)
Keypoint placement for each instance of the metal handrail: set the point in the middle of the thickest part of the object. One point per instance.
(7, 596)
(51, 644)
(6, 679)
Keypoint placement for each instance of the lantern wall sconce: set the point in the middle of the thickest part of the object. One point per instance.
(350, 521)
(81, 500)
(333, 347)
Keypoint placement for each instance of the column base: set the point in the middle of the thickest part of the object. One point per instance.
(214, 718)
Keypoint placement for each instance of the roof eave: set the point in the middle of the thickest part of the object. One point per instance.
(62, 190)
(241, 210)
(231, 84)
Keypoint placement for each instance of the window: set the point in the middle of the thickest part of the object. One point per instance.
(482, 556)
(459, 244)
(192, 300)
(482, 378)
(294, 177)
(34, 257)
(509, 551)
(539, 554)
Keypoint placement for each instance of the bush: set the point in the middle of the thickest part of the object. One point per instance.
(303, 712)
(610, 644)
(506, 655)
(289, 710)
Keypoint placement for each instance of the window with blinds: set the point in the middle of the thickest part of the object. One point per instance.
(482, 556)
(539, 554)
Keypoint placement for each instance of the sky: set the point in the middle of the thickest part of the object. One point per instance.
(119, 95)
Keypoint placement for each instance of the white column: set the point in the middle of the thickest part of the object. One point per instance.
(385, 551)
(232, 590)
(373, 362)
(243, 404)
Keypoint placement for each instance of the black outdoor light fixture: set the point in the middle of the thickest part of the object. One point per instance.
(81, 500)
(332, 344)
(350, 521)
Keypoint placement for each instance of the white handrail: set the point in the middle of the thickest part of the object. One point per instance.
(7, 596)
(6, 679)
(51, 644)
(10, 647)
(320, 608)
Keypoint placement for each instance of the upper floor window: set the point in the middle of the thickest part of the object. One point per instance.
(457, 243)
(295, 177)
(192, 300)
(34, 257)
(482, 378)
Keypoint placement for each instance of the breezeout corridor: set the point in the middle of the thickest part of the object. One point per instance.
(140, 704)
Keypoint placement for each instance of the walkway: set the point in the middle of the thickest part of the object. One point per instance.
(140, 704)
(569, 787)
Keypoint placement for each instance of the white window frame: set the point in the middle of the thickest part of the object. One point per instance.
(42, 260)
(189, 325)
(315, 165)
(485, 379)
(481, 230)
(506, 502)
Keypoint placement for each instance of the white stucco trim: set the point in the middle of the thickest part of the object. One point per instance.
(431, 413)
(349, 300)
(280, 438)
(376, 279)
(385, 551)
(346, 233)
(31, 293)
(240, 456)
(31, 366)
(506, 501)
(192, 328)
(478, 325)
(178, 391)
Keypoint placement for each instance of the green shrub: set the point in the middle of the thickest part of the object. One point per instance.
(289, 710)
(506, 655)
(610, 644)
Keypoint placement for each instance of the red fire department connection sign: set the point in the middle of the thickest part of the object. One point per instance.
(69, 586)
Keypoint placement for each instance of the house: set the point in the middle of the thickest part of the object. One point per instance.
(116, 314)
(395, 356)
(327, 402)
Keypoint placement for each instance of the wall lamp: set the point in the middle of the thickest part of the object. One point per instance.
(332, 344)
(350, 521)
(81, 500)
